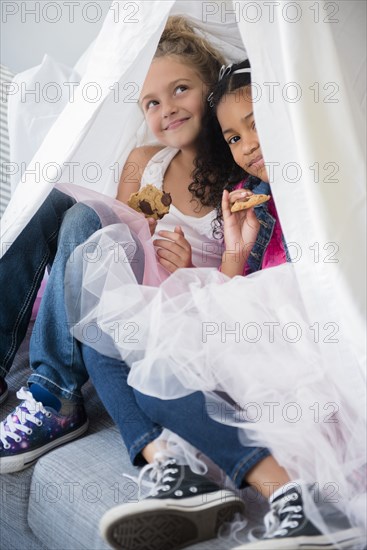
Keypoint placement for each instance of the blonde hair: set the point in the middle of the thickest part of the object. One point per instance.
(186, 41)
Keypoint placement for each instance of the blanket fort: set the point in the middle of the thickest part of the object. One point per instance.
(308, 62)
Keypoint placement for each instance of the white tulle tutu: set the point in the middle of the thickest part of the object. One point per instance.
(296, 391)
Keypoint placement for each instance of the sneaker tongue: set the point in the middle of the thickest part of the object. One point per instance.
(290, 486)
(45, 397)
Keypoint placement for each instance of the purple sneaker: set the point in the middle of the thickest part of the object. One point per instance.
(3, 390)
(32, 430)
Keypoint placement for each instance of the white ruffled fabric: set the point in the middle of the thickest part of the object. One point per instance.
(296, 391)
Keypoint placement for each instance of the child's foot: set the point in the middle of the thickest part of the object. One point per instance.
(3, 390)
(33, 429)
(287, 527)
(182, 509)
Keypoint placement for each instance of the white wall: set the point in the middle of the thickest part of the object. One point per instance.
(62, 29)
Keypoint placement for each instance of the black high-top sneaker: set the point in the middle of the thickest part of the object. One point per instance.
(287, 527)
(183, 508)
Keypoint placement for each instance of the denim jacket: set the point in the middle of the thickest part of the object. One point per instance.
(267, 223)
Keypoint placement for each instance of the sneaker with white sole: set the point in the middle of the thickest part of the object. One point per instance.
(287, 528)
(3, 390)
(183, 508)
(33, 429)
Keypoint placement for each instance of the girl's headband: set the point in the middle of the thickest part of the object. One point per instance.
(226, 70)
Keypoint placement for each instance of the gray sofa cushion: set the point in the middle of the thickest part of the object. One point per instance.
(57, 504)
(74, 485)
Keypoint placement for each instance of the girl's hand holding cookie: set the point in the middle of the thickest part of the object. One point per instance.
(240, 233)
(240, 228)
(173, 251)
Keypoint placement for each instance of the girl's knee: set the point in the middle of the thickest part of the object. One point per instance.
(56, 203)
(80, 221)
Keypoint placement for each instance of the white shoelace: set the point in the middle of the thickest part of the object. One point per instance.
(158, 474)
(15, 421)
(273, 525)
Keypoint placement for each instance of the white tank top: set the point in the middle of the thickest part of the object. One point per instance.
(206, 250)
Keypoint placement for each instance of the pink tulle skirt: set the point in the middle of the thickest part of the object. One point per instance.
(297, 390)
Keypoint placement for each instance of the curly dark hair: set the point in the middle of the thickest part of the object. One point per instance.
(215, 168)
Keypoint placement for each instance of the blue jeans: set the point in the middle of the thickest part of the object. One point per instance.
(140, 418)
(59, 362)
(48, 239)
(188, 417)
(109, 377)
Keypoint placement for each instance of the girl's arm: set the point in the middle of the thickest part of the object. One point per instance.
(240, 233)
(133, 170)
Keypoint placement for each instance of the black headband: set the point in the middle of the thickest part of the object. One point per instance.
(226, 70)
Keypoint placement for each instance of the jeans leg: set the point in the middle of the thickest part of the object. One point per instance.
(109, 377)
(55, 355)
(21, 272)
(188, 417)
